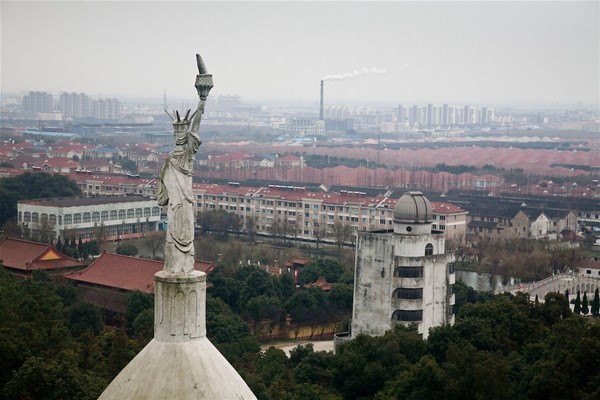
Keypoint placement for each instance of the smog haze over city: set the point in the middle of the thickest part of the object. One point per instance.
(497, 53)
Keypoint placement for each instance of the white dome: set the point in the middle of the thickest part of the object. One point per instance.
(413, 208)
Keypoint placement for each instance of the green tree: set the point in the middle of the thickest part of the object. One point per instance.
(32, 186)
(585, 308)
(136, 304)
(129, 165)
(143, 325)
(84, 317)
(577, 308)
(49, 379)
(424, 380)
(127, 249)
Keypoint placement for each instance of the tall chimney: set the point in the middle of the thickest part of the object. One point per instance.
(321, 116)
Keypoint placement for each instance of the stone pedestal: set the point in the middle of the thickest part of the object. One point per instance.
(179, 306)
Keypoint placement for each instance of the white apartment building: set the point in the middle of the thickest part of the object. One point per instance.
(307, 213)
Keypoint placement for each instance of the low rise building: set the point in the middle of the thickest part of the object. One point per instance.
(88, 217)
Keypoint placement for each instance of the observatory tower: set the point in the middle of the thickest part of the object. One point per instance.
(403, 276)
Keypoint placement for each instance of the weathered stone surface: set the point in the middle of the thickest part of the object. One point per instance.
(193, 370)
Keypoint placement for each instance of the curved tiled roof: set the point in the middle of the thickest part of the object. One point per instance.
(125, 272)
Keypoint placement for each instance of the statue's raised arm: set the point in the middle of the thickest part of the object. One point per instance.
(175, 188)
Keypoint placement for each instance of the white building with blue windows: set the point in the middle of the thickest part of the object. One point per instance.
(111, 217)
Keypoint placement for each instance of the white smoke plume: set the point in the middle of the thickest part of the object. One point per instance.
(355, 73)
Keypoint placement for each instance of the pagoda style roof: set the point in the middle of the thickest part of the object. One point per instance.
(26, 256)
(125, 272)
(320, 283)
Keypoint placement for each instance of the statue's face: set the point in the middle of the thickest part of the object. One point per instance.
(179, 130)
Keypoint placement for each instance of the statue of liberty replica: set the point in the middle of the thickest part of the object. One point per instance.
(180, 362)
(175, 190)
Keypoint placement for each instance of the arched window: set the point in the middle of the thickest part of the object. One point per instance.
(429, 249)
(68, 219)
(104, 216)
(52, 219)
(77, 218)
(113, 215)
(130, 213)
(146, 211)
(87, 217)
(95, 216)
(35, 217)
(138, 212)
(27, 216)
(122, 214)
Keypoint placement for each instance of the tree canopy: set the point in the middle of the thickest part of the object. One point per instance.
(29, 186)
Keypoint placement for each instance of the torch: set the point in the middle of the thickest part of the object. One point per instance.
(204, 81)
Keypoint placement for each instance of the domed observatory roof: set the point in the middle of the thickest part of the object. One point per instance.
(412, 211)
(413, 208)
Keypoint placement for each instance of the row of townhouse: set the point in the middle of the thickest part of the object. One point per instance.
(243, 160)
(520, 222)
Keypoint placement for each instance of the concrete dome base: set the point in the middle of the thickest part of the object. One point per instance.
(193, 370)
(180, 363)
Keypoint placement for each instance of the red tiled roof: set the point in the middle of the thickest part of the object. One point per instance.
(124, 272)
(28, 256)
(442, 207)
(298, 260)
(236, 156)
(58, 162)
(589, 263)
(320, 283)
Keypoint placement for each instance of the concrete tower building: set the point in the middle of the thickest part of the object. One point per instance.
(403, 276)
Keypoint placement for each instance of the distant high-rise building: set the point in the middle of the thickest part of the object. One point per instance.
(106, 109)
(37, 102)
(429, 115)
(75, 105)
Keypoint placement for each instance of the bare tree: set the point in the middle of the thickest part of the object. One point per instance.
(319, 232)
(154, 240)
(341, 233)
(251, 228)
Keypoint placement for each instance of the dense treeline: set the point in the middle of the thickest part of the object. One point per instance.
(32, 186)
(501, 347)
(53, 346)
(258, 296)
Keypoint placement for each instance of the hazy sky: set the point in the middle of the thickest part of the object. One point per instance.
(479, 52)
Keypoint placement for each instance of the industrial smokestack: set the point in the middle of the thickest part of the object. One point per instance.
(321, 114)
